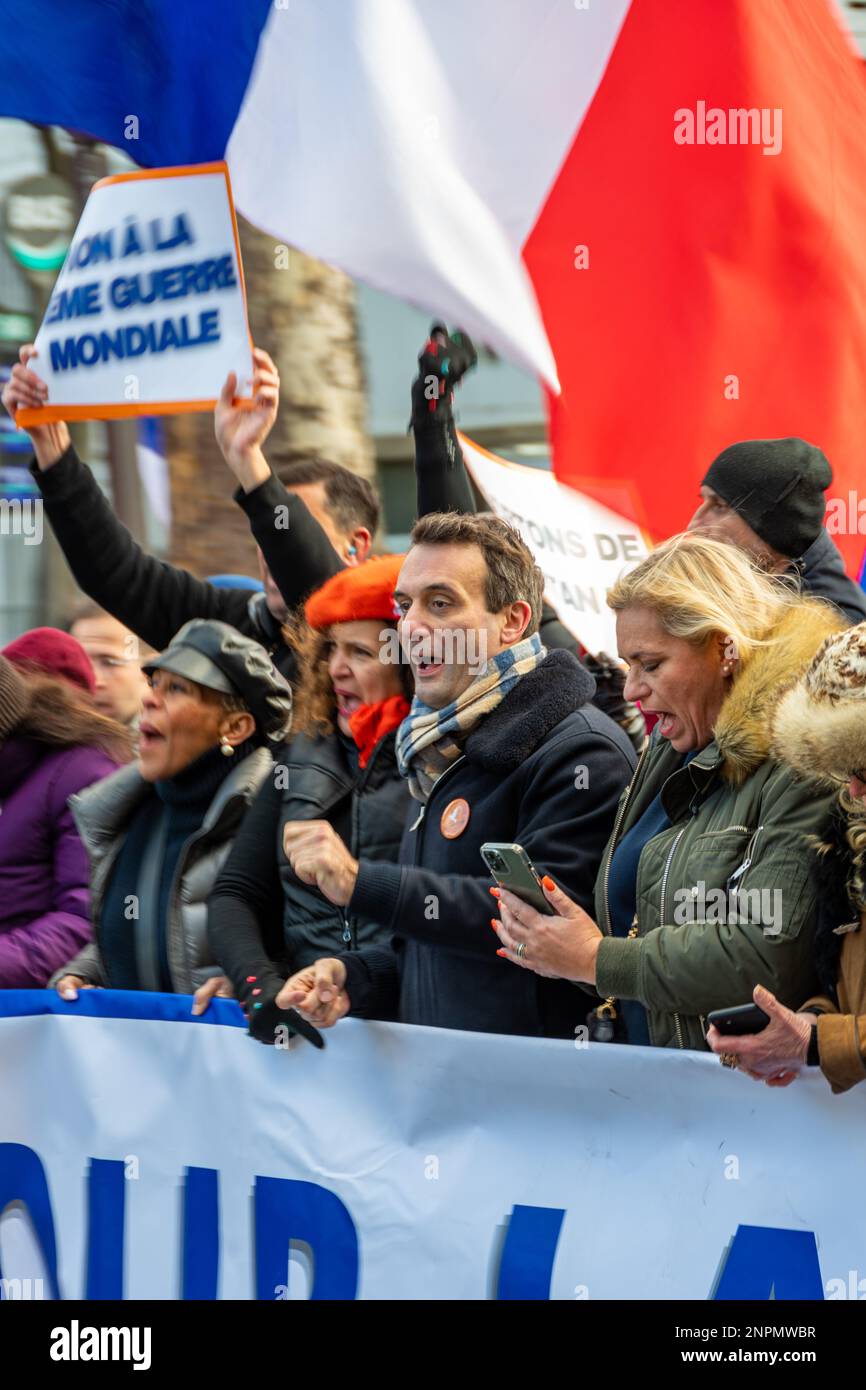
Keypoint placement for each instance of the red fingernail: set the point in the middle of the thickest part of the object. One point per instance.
(548, 883)
(494, 891)
(494, 922)
(501, 953)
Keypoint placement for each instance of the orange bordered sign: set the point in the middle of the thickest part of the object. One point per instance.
(148, 313)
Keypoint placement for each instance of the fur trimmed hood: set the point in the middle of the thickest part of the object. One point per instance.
(744, 728)
(820, 725)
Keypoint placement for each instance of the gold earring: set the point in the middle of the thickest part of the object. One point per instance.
(225, 747)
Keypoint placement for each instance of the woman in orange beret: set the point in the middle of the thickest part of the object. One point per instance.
(339, 773)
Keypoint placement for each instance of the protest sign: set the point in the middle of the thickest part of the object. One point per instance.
(148, 314)
(581, 546)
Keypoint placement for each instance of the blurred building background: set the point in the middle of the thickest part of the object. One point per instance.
(346, 354)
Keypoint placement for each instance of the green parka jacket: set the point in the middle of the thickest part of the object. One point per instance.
(725, 899)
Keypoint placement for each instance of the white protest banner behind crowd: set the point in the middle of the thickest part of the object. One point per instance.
(172, 1158)
(148, 314)
(580, 545)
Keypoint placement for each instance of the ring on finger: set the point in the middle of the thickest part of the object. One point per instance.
(521, 950)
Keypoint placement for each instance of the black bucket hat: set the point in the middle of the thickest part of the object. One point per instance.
(217, 656)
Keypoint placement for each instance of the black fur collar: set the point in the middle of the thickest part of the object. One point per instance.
(539, 701)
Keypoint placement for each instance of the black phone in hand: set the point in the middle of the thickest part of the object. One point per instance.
(743, 1018)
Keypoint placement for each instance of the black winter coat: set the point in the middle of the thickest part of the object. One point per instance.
(544, 770)
(153, 598)
(260, 912)
(821, 572)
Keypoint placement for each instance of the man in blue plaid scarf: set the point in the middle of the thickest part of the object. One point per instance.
(502, 743)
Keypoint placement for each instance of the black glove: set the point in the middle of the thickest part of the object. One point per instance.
(264, 1017)
(442, 362)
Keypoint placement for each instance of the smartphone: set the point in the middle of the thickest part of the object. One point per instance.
(744, 1018)
(512, 868)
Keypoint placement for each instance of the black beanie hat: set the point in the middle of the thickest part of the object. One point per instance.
(777, 486)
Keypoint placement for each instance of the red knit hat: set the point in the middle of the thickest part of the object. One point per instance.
(54, 652)
(362, 591)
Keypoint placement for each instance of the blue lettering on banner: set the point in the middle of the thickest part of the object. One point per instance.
(765, 1260)
(173, 282)
(74, 303)
(201, 1236)
(132, 240)
(288, 1210)
(90, 250)
(180, 234)
(91, 349)
(23, 1180)
(106, 1198)
(762, 1261)
(526, 1267)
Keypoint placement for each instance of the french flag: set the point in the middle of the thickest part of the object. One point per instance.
(659, 208)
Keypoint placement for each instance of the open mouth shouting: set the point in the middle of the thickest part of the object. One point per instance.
(347, 701)
(666, 721)
(149, 736)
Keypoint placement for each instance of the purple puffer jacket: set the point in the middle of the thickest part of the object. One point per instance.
(44, 919)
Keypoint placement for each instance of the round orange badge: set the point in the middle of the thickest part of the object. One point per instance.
(455, 818)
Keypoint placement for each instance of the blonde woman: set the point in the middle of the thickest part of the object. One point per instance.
(704, 889)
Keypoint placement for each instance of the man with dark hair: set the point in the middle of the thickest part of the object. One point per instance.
(306, 532)
(501, 744)
(767, 496)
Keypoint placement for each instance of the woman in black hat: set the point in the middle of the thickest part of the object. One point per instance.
(157, 832)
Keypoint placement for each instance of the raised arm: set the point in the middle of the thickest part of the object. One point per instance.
(442, 481)
(150, 597)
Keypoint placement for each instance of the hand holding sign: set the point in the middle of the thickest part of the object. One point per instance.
(240, 430)
(26, 391)
(148, 315)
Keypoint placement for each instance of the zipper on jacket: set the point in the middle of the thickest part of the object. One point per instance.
(616, 828)
(439, 779)
(741, 868)
(678, 1026)
(348, 938)
(678, 1023)
(679, 835)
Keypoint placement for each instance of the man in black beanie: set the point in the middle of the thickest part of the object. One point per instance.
(767, 496)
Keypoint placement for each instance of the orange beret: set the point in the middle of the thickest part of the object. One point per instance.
(357, 592)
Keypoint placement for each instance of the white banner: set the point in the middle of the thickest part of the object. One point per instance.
(161, 1159)
(580, 545)
(148, 314)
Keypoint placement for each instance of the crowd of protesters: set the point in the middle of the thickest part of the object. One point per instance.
(281, 792)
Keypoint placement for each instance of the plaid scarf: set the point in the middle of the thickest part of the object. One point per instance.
(429, 740)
